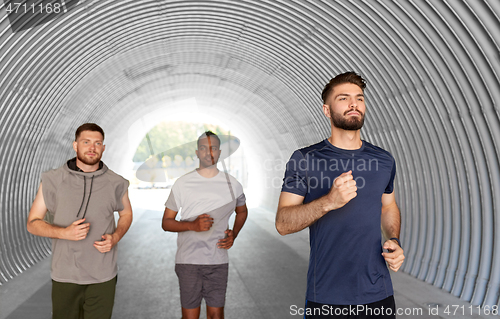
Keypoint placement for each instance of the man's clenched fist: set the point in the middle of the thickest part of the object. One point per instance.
(203, 223)
(343, 190)
(77, 230)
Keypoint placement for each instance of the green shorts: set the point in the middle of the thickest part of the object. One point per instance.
(74, 301)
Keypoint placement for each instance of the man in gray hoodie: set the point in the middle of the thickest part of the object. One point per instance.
(82, 196)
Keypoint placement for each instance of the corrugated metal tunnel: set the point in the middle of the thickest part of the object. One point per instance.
(433, 99)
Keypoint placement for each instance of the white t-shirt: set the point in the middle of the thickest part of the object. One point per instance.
(194, 195)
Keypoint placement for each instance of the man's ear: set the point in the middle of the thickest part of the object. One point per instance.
(75, 146)
(326, 110)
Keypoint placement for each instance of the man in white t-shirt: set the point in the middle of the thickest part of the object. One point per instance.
(206, 198)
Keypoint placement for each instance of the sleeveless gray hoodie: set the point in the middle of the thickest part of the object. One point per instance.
(70, 195)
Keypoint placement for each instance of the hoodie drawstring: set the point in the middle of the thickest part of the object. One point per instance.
(83, 198)
(90, 194)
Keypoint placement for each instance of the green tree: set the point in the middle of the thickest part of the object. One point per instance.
(168, 135)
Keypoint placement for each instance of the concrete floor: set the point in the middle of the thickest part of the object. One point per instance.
(267, 275)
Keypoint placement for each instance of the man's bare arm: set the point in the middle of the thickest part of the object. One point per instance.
(391, 217)
(391, 226)
(239, 221)
(124, 222)
(201, 223)
(293, 216)
(36, 224)
(125, 219)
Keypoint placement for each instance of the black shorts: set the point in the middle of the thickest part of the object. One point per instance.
(384, 309)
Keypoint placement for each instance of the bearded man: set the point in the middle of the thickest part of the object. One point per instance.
(82, 196)
(345, 206)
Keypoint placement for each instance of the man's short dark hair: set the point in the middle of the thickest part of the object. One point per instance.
(88, 127)
(206, 135)
(348, 77)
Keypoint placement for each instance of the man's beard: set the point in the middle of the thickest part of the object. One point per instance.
(88, 161)
(208, 162)
(353, 124)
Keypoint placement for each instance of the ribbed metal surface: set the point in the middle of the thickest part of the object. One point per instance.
(433, 101)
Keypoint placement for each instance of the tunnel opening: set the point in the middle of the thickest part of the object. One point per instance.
(173, 140)
(158, 133)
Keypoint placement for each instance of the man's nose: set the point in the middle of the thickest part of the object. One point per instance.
(353, 103)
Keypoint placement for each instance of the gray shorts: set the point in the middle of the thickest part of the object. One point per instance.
(202, 281)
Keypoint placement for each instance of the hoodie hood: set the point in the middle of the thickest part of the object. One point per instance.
(71, 167)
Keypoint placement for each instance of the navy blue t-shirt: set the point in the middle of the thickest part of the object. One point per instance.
(346, 266)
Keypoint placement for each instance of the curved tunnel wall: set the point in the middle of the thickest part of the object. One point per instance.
(433, 102)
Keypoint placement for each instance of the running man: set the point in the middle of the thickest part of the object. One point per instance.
(342, 189)
(207, 197)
